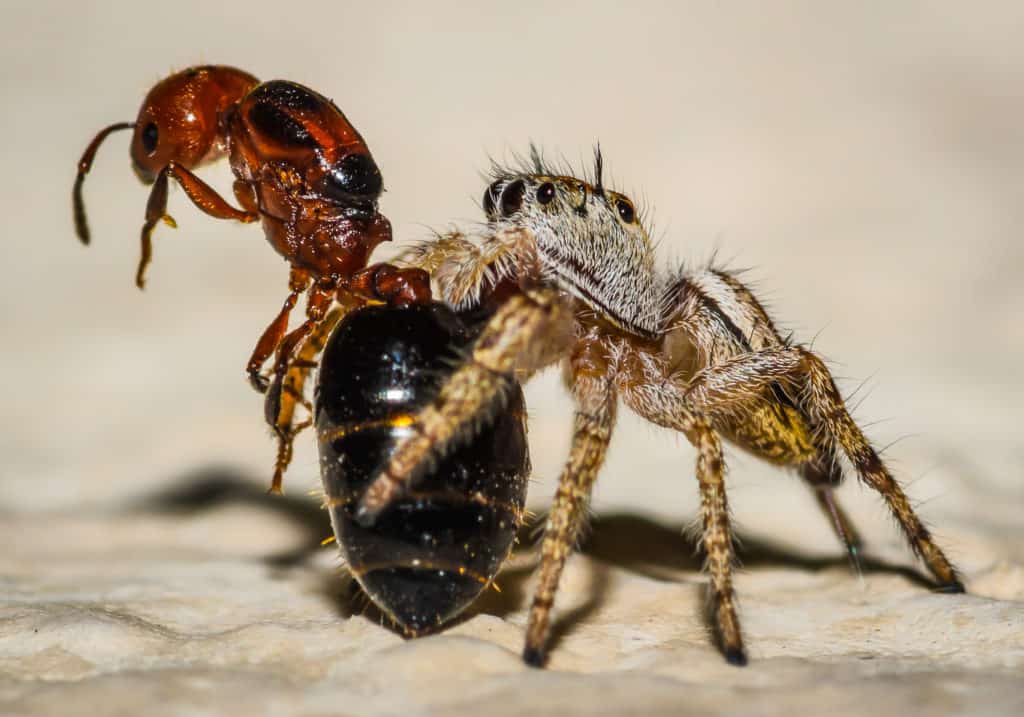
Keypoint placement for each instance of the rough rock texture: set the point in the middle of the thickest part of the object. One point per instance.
(867, 162)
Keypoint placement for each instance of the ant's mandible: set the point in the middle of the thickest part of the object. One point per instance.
(300, 168)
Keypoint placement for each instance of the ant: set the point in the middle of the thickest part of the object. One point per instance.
(300, 168)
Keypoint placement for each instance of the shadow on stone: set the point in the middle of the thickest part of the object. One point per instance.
(624, 540)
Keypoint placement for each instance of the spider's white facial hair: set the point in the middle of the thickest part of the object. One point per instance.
(586, 248)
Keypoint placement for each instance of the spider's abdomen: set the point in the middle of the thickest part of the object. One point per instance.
(429, 555)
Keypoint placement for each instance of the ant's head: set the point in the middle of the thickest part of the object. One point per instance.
(589, 240)
(180, 119)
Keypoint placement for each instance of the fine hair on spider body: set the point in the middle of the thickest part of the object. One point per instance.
(565, 273)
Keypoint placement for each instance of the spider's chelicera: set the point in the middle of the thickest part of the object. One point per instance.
(566, 270)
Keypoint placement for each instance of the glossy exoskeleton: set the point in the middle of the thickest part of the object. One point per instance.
(433, 551)
(301, 169)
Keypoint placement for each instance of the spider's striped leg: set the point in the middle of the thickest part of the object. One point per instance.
(663, 401)
(722, 319)
(727, 386)
(823, 474)
(592, 430)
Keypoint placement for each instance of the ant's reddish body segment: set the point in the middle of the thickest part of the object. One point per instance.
(300, 168)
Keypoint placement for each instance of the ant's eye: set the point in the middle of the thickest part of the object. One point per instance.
(150, 136)
(489, 195)
(626, 211)
(546, 193)
(512, 197)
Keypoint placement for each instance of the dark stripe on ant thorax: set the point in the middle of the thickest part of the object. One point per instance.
(273, 122)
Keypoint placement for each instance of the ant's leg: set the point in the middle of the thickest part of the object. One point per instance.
(382, 282)
(528, 332)
(246, 196)
(823, 474)
(318, 300)
(298, 280)
(592, 429)
(286, 394)
(662, 400)
(202, 195)
(720, 389)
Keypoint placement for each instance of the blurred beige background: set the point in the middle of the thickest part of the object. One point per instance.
(865, 161)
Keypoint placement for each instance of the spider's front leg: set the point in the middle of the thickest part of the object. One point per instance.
(593, 422)
(525, 334)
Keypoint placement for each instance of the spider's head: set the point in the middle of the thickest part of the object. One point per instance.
(589, 240)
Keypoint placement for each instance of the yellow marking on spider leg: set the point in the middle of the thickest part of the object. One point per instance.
(328, 540)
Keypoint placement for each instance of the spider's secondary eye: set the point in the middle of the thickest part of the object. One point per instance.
(489, 194)
(546, 193)
(626, 211)
(512, 197)
(150, 137)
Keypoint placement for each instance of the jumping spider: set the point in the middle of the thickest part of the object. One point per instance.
(570, 272)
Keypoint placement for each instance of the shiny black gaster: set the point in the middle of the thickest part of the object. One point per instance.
(429, 555)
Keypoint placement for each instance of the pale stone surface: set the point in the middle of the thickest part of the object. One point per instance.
(867, 161)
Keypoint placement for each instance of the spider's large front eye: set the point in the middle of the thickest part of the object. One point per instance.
(489, 196)
(512, 197)
(546, 193)
(626, 211)
(150, 136)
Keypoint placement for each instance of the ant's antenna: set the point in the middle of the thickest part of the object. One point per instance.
(84, 165)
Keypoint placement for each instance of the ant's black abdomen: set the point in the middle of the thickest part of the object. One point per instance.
(429, 555)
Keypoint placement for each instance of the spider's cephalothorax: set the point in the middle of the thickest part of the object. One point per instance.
(565, 274)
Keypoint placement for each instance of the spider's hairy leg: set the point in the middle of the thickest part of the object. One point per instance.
(593, 422)
(823, 473)
(721, 389)
(826, 404)
(722, 319)
(526, 333)
(662, 399)
(285, 394)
